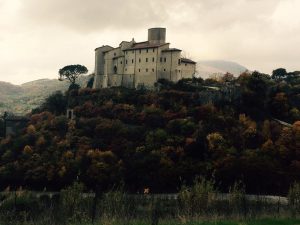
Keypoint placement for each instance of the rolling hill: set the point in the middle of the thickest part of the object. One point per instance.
(25, 97)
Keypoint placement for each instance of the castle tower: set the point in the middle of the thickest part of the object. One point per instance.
(157, 36)
(100, 72)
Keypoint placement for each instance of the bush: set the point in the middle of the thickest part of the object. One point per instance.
(118, 205)
(19, 206)
(237, 198)
(72, 202)
(197, 199)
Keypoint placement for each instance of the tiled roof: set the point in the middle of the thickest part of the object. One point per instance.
(171, 50)
(144, 45)
(103, 46)
(184, 60)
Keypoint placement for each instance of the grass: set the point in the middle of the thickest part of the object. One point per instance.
(254, 222)
(173, 222)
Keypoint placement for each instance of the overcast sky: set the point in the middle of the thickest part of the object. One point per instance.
(38, 37)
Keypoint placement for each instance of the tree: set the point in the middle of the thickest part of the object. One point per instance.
(72, 72)
(55, 103)
(279, 74)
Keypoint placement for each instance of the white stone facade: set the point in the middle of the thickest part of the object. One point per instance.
(135, 65)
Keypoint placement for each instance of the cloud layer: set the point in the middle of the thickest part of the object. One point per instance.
(39, 37)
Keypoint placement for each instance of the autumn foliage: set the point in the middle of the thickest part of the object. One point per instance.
(162, 139)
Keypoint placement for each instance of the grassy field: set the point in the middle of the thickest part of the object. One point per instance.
(258, 222)
(252, 222)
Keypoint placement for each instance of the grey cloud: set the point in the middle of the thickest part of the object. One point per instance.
(256, 33)
(95, 15)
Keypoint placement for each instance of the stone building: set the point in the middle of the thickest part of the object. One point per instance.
(141, 64)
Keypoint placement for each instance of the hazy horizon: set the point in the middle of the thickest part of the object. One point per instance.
(39, 37)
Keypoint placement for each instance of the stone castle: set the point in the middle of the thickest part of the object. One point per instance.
(141, 64)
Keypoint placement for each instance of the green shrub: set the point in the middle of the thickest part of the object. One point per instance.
(198, 198)
(117, 204)
(72, 203)
(237, 198)
(21, 206)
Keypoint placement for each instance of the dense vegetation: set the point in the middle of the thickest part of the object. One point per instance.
(163, 139)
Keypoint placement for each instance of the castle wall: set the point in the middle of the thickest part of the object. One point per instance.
(187, 70)
(146, 67)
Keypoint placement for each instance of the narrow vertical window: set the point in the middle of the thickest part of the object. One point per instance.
(153, 59)
(146, 59)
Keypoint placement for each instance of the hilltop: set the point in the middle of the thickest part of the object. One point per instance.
(162, 139)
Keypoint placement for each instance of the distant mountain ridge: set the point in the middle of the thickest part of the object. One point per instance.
(206, 68)
(25, 97)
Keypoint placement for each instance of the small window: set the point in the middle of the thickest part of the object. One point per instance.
(146, 59)
(146, 70)
(154, 50)
(164, 69)
(121, 62)
(126, 61)
(140, 51)
(179, 61)
(139, 60)
(132, 60)
(185, 64)
(139, 70)
(147, 50)
(114, 54)
(160, 59)
(165, 59)
(125, 69)
(152, 70)
(179, 71)
(153, 59)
